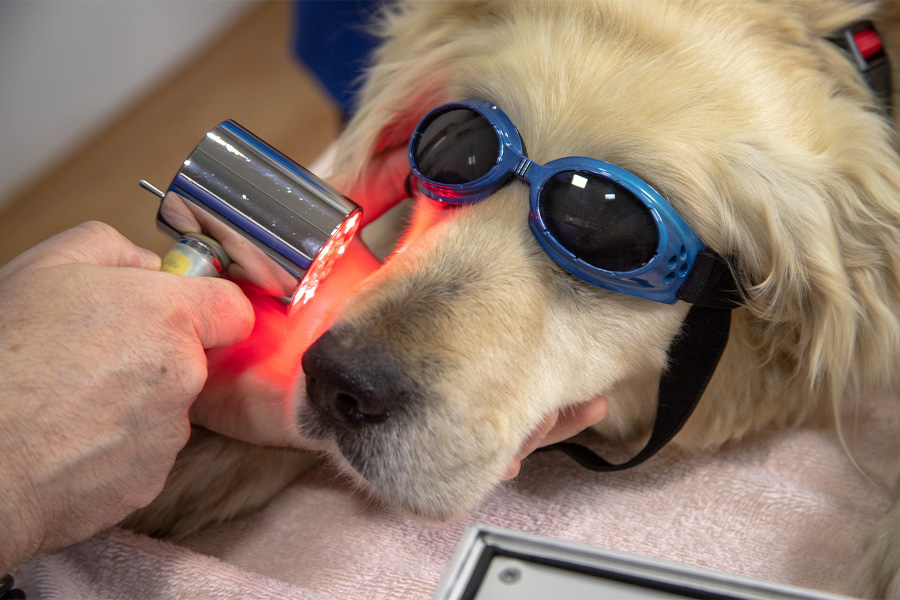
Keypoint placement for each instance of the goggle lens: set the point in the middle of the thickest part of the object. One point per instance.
(456, 146)
(599, 221)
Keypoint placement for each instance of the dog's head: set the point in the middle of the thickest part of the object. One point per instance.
(754, 127)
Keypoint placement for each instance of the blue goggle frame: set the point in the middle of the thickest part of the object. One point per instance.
(659, 279)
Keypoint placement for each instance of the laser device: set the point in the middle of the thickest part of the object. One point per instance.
(239, 207)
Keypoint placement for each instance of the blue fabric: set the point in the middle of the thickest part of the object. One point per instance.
(331, 38)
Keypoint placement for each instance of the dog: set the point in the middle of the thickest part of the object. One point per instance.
(746, 117)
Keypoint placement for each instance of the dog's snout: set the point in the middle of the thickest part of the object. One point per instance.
(352, 385)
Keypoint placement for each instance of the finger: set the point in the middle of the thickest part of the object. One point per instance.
(94, 243)
(575, 419)
(249, 395)
(217, 311)
(538, 436)
(381, 186)
(254, 406)
(513, 469)
(534, 440)
(559, 426)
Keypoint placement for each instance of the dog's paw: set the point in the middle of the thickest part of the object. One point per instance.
(879, 573)
(214, 480)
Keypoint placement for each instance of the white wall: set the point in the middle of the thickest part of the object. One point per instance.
(68, 66)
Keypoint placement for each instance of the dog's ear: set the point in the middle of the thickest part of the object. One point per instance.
(812, 221)
(817, 238)
(410, 75)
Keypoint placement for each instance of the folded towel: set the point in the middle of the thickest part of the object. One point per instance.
(790, 507)
(123, 565)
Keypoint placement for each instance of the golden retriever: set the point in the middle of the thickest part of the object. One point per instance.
(756, 128)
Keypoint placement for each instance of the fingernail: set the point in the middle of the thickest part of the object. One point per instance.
(151, 259)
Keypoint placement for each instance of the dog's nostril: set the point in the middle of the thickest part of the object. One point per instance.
(343, 408)
(353, 387)
(351, 408)
(346, 404)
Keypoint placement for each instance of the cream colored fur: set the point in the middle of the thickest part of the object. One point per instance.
(757, 130)
(216, 479)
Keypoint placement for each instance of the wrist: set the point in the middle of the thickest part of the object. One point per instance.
(20, 521)
(18, 544)
(22, 524)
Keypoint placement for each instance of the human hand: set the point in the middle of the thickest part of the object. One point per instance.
(559, 426)
(102, 356)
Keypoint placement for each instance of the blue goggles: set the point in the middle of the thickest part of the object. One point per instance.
(598, 221)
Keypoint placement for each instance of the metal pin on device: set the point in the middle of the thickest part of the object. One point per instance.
(194, 254)
(152, 189)
(238, 206)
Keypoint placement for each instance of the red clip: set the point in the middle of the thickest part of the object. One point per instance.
(867, 42)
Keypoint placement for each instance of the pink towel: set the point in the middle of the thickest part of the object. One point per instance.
(790, 507)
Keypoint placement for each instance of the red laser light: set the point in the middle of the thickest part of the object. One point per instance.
(325, 259)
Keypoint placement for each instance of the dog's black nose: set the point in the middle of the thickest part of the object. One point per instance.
(352, 385)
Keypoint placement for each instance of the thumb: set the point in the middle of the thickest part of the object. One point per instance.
(94, 243)
(217, 310)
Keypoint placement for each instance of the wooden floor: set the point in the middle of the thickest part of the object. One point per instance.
(248, 75)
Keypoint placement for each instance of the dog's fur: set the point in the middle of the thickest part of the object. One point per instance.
(758, 130)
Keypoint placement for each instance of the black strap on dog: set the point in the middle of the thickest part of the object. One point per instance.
(713, 291)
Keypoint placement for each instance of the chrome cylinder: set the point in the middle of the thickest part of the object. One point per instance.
(271, 216)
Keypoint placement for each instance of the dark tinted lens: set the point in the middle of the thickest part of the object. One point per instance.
(456, 146)
(599, 221)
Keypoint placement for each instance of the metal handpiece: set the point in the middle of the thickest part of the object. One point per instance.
(264, 219)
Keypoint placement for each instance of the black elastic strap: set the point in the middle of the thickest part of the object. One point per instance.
(692, 361)
(711, 283)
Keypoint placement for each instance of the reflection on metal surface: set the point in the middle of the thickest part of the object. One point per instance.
(274, 219)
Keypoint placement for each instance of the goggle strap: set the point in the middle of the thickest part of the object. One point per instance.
(710, 283)
(692, 362)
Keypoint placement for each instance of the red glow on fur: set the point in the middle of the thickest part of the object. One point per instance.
(250, 390)
(427, 214)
